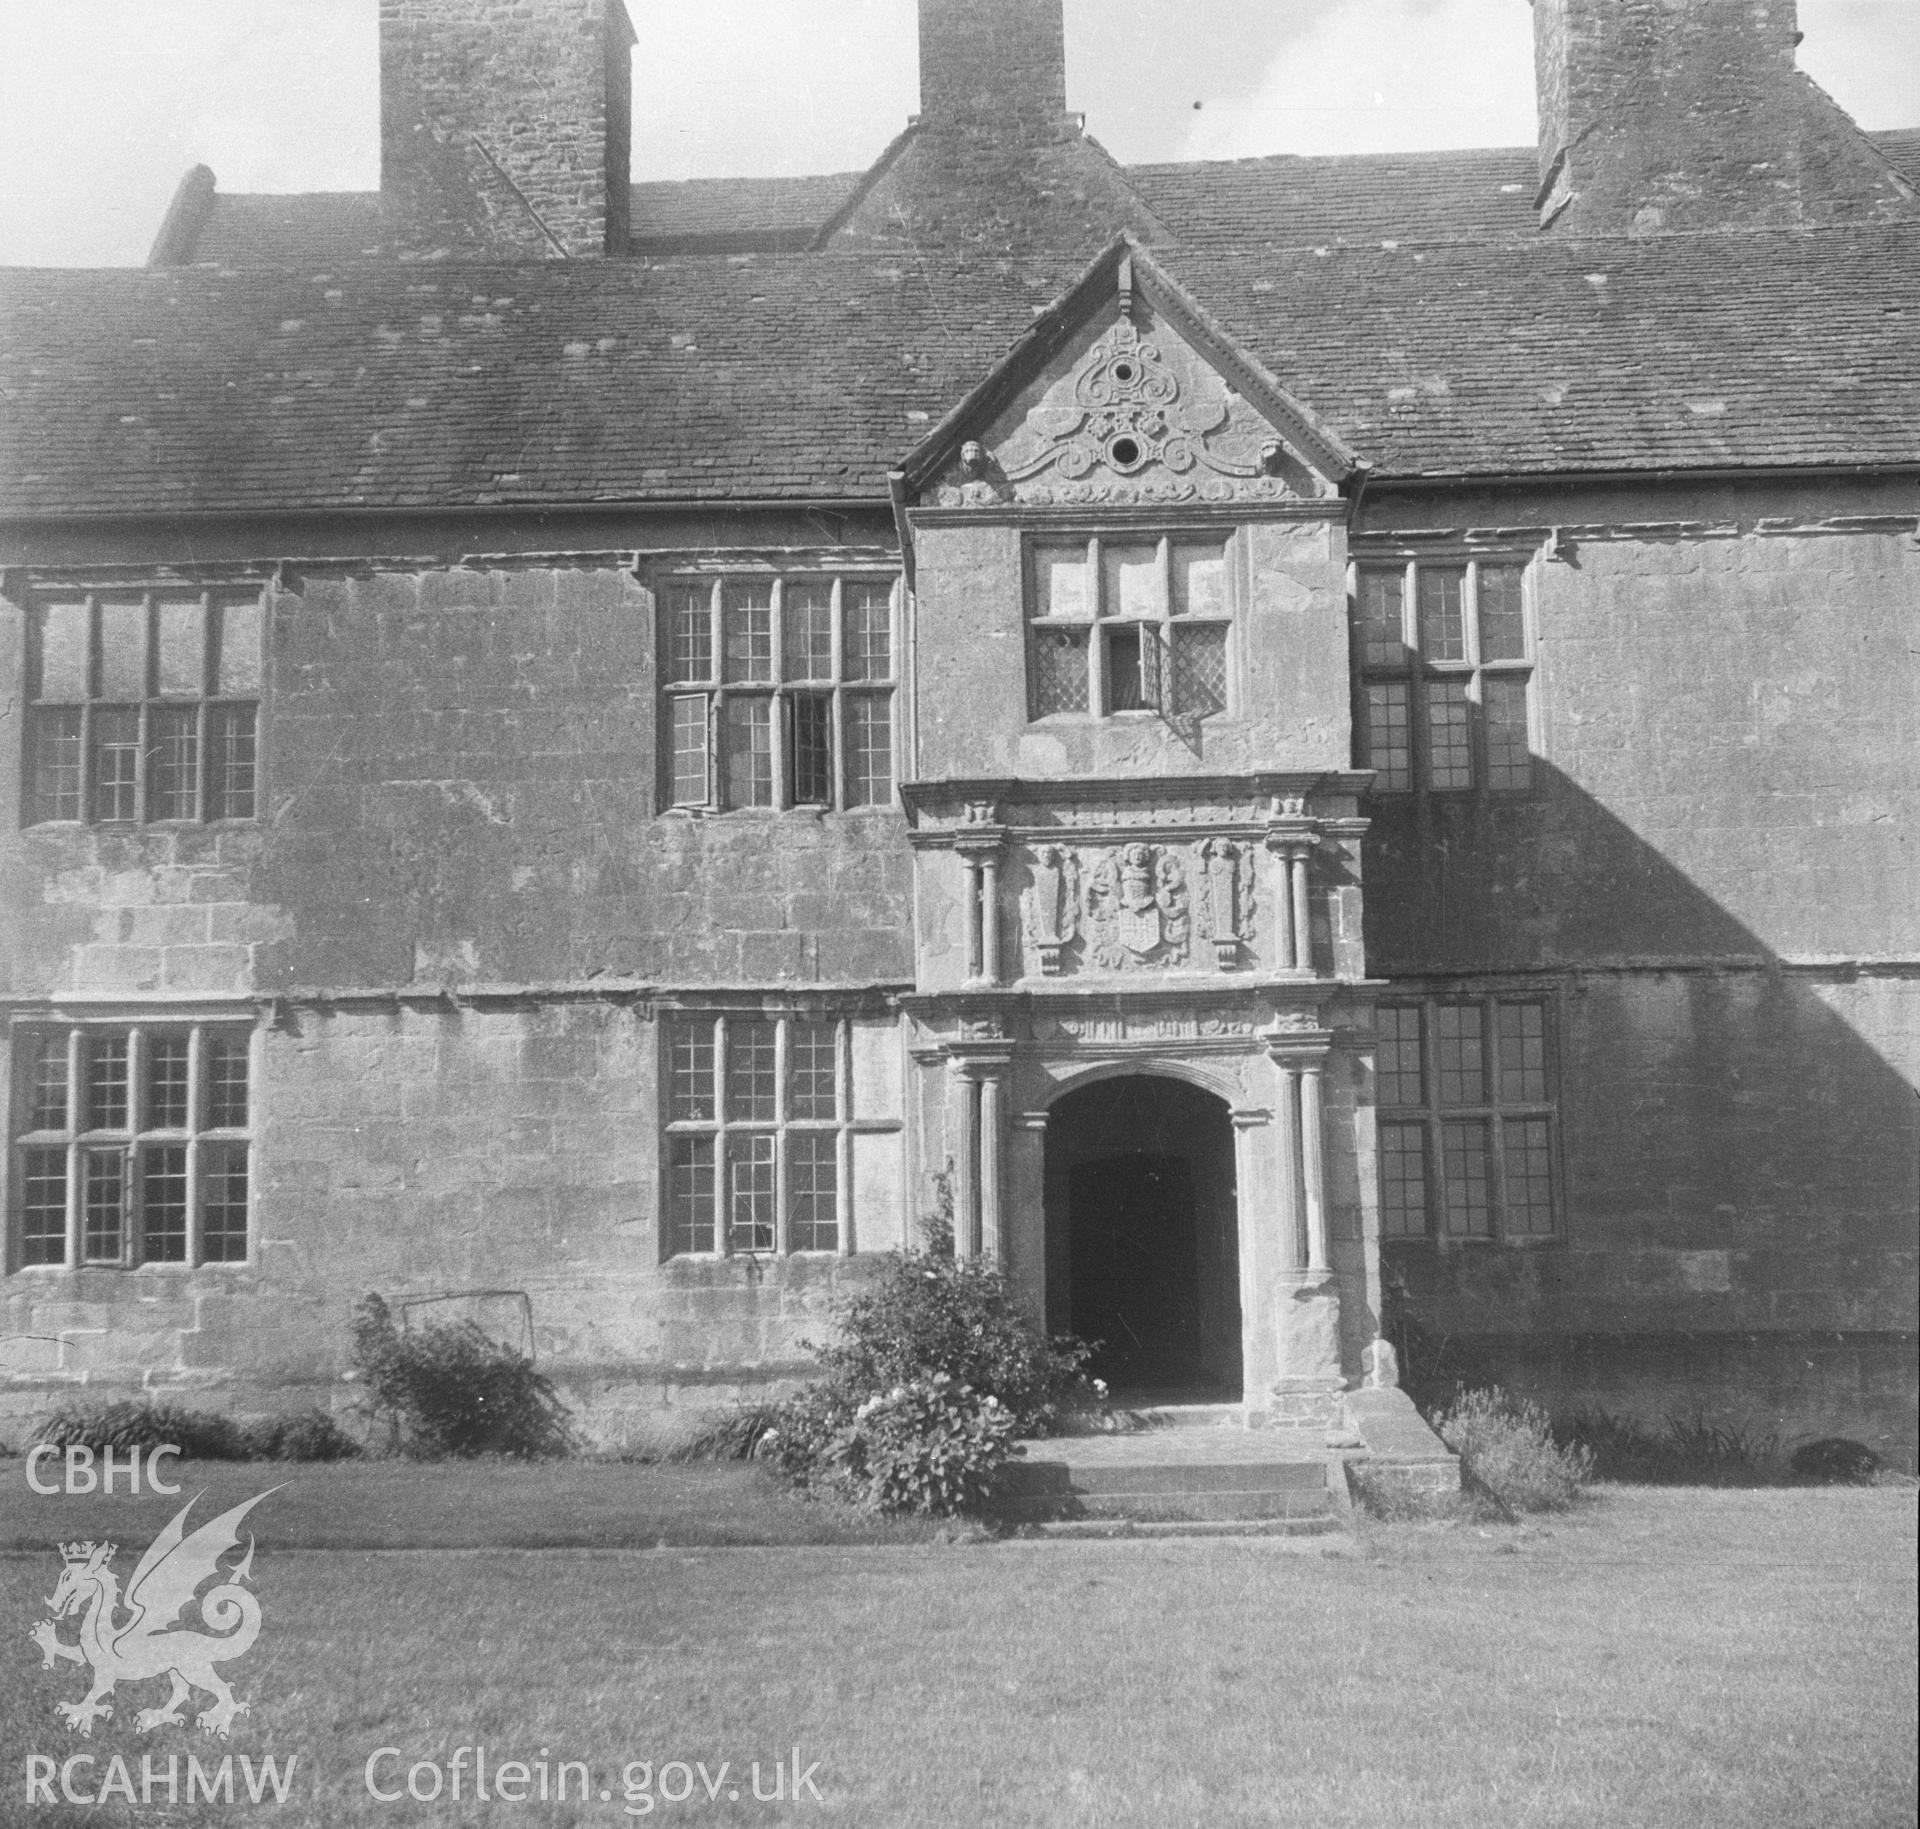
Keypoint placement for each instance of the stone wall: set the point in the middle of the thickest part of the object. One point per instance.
(1717, 888)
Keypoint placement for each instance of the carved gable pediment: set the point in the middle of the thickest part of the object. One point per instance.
(1128, 395)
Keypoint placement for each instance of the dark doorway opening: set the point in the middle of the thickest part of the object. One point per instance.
(1143, 1235)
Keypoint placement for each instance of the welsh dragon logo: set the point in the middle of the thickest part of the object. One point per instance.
(148, 1642)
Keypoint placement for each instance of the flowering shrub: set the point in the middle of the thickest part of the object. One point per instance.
(930, 1447)
(928, 1314)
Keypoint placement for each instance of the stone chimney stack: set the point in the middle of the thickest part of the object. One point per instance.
(999, 64)
(1689, 114)
(506, 127)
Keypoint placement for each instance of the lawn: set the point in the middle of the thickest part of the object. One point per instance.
(1669, 1656)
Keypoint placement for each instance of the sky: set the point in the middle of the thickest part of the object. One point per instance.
(105, 103)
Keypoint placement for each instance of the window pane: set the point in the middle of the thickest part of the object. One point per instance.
(812, 1070)
(1199, 579)
(813, 1190)
(47, 1083)
(1463, 1146)
(1459, 1046)
(166, 1107)
(869, 639)
(1529, 1167)
(123, 649)
(227, 1082)
(240, 649)
(1449, 735)
(1443, 627)
(752, 1086)
(1130, 581)
(749, 752)
(63, 651)
(690, 1073)
(116, 761)
(748, 611)
(232, 775)
(1399, 1076)
(223, 1203)
(173, 787)
(104, 1070)
(810, 748)
(1060, 582)
(690, 776)
(808, 617)
(1403, 1180)
(163, 1203)
(103, 1201)
(43, 1213)
(690, 1191)
(750, 1192)
(689, 632)
(1523, 1053)
(1059, 671)
(1383, 598)
(869, 750)
(1199, 670)
(1509, 761)
(1503, 623)
(56, 763)
(183, 645)
(1132, 677)
(1387, 738)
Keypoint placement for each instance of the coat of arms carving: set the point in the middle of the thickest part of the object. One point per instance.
(1138, 911)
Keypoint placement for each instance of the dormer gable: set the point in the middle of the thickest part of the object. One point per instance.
(1127, 392)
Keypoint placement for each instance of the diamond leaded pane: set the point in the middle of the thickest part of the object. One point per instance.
(1199, 670)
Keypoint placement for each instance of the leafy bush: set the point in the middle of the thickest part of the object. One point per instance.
(1508, 1453)
(200, 1435)
(931, 1315)
(1835, 1461)
(930, 1447)
(1679, 1453)
(454, 1390)
(311, 1436)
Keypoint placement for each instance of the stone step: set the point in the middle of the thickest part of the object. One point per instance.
(1036, 1477)
(1070, 1529)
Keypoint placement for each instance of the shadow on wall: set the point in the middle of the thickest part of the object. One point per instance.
(1739, 1133)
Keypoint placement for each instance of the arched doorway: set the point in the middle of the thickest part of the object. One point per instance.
(1143, 1235)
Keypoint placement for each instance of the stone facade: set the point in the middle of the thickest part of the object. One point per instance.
(1472, 917)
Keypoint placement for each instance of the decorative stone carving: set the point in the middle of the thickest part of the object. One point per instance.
(1050, 906)
(1142, 417)
(1226, 900)
(1137, 909)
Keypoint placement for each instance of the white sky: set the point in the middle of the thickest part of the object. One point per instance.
(104, 103)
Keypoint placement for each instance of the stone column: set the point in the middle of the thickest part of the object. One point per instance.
(1313, 1173)
(993, 1128)
(990, 966)
(976, 938)
(964, 1105)
(1291, 835)
(1305, 1315)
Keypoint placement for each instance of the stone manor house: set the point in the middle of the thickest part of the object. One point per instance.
(1314, 749)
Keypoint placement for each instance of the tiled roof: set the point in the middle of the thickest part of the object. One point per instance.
(809, 375)
(279, 231)
(725, 209)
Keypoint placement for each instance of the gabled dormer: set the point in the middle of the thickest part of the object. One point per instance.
(1129, 552)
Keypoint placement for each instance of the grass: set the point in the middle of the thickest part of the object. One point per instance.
(1655, 1657)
